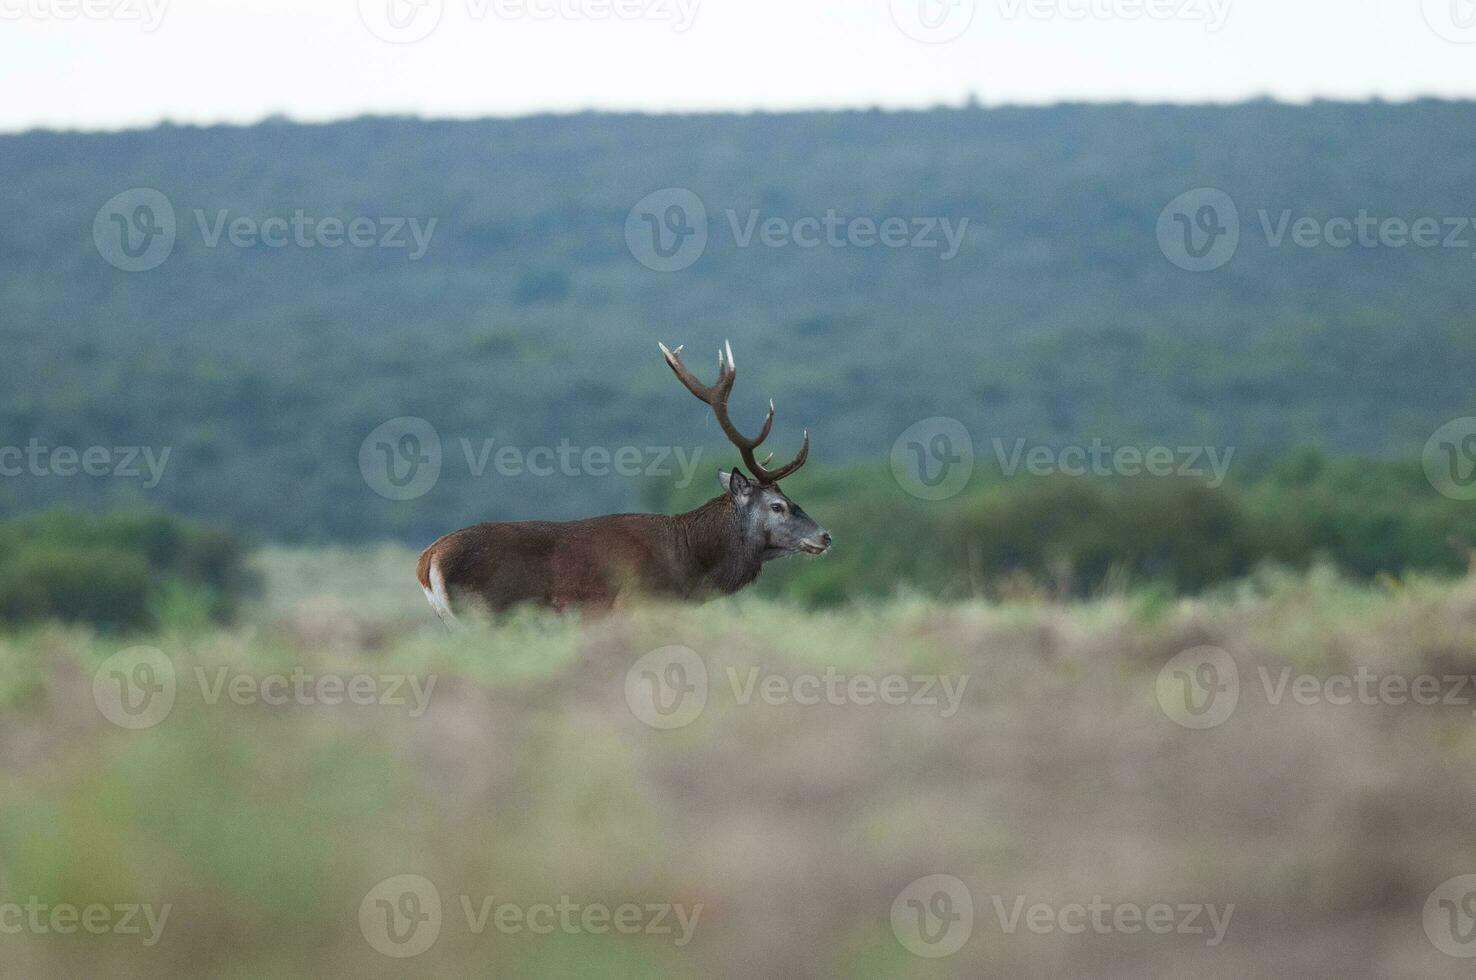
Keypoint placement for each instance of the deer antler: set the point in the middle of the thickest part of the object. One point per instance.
(716, 395)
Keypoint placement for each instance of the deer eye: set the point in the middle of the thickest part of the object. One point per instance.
(777, 508)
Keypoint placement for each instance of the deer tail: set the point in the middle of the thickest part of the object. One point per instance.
(428, 571)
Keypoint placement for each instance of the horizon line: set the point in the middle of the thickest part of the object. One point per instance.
(283, 118)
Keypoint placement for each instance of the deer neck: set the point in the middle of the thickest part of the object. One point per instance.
(717, 554)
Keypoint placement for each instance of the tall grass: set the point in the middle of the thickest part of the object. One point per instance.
(529, 777)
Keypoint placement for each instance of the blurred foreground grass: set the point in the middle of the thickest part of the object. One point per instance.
(522, 773)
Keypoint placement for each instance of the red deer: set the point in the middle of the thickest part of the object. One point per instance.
(714, 550)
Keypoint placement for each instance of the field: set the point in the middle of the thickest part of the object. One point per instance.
(568, 808)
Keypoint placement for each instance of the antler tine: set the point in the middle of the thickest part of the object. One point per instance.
(716, 396)
(764, 429)
(707, 393)
(774, 476)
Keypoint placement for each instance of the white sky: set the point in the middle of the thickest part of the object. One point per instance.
(96, 64)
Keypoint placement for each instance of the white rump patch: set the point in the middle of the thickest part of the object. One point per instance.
(436, 595)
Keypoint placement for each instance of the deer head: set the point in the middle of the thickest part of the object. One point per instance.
(767, 516)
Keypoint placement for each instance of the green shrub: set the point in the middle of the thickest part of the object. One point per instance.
(100, 585)
(1078, 535)
(119, 570)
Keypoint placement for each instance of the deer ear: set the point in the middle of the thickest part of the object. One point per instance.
(737, 485)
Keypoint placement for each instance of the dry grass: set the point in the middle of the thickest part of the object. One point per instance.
(795, 826)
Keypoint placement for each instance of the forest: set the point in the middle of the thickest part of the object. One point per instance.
(324, 280)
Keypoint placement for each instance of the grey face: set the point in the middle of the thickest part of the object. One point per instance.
(772, 517)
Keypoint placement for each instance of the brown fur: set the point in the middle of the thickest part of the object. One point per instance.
(596, 561)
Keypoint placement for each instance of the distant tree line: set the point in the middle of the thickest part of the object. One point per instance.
(529, 320)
